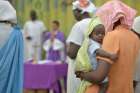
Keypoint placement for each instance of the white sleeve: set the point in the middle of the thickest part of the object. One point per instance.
(25, 28)
(47, 45)
(93, 47)
(76, 35)
(43, 27)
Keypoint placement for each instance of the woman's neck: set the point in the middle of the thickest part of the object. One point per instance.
(122, 26)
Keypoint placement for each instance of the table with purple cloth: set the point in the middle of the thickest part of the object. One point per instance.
(44, 76)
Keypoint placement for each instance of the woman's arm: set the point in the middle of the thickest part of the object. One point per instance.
(72, 50)
(100, 52)
(98, 75)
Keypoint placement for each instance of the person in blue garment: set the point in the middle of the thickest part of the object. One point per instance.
(11, 50)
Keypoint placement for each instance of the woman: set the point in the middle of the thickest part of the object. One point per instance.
(75, 40)
(117, 18)
(91, 47)
(11, 51)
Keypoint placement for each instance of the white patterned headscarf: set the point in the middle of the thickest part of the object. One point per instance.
(90, 8)
(7, 12)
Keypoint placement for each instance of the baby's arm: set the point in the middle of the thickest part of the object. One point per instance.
(102, 53)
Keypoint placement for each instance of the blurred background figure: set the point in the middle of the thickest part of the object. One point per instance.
(136, 29)
(54, 43)
(33, 30)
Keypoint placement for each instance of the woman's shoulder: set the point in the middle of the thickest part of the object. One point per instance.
(112, 33)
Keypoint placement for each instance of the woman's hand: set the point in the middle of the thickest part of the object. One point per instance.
(80, 74)
(95, 76)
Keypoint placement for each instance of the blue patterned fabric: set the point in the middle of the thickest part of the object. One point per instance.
(11, 63)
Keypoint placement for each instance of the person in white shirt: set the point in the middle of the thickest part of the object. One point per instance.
(33, 30)
(75, 40)
(136, 29)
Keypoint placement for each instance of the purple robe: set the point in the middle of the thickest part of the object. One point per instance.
(54, 55)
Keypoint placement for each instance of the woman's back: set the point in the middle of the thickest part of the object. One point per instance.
(126, 45)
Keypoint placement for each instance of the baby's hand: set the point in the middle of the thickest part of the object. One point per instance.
(113, 57)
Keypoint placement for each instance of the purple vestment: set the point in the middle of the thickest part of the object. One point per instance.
(54, 55)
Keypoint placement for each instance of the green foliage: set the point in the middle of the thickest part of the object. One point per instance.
(49, 10)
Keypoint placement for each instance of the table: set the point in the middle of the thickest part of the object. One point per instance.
(44, 76)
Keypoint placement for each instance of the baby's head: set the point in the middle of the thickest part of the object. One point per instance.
(98, 33)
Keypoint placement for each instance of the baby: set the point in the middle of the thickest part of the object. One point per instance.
(94, 48)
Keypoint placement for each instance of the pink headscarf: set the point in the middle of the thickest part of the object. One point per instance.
(114, 10)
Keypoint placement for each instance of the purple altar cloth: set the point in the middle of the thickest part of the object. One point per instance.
(44, 76)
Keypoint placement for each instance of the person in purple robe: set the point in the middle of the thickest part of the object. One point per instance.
(54, 43)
